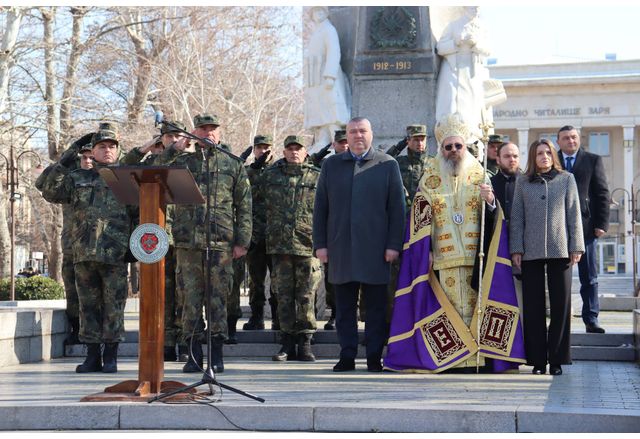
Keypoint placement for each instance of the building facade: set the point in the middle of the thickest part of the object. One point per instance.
(602, 100)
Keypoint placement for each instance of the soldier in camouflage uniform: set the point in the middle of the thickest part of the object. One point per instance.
(100, 235)
(71, 159)
(257, 258)
(289, 188)
(146, 155)
(230, 226)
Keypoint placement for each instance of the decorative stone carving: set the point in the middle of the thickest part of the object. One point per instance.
(393, 27)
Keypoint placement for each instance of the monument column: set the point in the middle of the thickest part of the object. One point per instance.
(389, 58)
(523, 145)
(628, 172)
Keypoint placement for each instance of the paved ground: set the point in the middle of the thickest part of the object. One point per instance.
(590, 396)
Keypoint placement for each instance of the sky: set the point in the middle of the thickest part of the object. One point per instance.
(552, 34)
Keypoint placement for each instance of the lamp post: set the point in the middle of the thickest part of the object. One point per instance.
(632, 198)
(11, 164)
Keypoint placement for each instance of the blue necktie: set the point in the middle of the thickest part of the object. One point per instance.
(569, 164)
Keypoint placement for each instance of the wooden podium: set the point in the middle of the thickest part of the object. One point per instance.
(152, 188)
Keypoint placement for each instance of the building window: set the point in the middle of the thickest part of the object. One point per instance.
(550, 136)
(599, 143)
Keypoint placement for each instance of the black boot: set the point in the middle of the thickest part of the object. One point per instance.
(183, 353)
(216, 355)
(256, 321)
(194, 363)
(331, 323)
(304, 348)
(288, 349)
(170, 353)
(273, 304)
(231, 324)
(110, 358)
(72, 338)
(93, 362)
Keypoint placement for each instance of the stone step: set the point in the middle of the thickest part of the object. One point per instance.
(260, 344)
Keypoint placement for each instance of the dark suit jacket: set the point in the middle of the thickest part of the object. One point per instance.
(358, 214)
(593, 191)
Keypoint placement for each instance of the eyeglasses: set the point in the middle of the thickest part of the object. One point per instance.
(450, 146)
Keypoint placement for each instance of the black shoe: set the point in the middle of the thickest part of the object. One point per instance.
(330, 325)
(110, 358)
(170, 353)
(594, 328)
(539, 370)
(345, 365)
(374, 364)
(93, 362)
(256, 321)
(555, 369)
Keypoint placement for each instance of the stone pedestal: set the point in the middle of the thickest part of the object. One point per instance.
(388, 55)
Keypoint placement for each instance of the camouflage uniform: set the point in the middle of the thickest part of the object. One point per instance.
(68, 272)
(289, 193)
(172, 303)
(230, 226)
(257, 259)
(100, 238)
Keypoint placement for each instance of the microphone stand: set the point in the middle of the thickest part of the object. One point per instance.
(209, 376)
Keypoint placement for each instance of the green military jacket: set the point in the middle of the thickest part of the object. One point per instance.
(289, 194)
(230, 202)
(411, 168)
(101, 226)
(67, 212)
(259, 209)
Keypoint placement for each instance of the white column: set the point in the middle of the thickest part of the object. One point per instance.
(523, 145)
(627, 146)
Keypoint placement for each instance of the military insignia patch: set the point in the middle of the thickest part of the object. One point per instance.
(149, 243)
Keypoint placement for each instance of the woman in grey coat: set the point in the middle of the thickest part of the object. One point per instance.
(546, 232)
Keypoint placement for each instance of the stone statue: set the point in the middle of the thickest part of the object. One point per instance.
(326, 93)
(463, 78)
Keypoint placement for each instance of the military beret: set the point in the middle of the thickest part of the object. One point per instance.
(206, 119)
(261, 139)
(417, 130)
(294, 139)
(496, 138)
(175, 127)
(103, 135)
(339, 135)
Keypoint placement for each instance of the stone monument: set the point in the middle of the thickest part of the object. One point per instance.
(326, 90)
(388, 56)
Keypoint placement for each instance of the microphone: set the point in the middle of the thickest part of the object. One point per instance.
(159, 118)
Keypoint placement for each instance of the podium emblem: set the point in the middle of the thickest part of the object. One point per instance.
(149, 243)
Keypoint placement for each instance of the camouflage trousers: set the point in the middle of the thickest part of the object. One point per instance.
(258, 261)
(295, 280)
(70, 292)
(102, 293)
(233, 302)
(190, 275)
(172, 303)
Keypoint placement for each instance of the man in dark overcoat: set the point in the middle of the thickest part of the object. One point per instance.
(358, 225)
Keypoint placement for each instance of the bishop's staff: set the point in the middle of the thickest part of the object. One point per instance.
(494, 94)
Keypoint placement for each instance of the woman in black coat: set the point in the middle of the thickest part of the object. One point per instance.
(546, 235)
